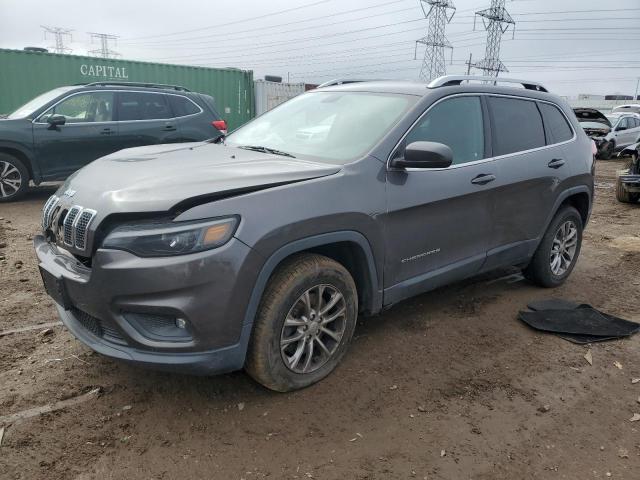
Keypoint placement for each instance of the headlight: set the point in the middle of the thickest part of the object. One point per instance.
(160, 240)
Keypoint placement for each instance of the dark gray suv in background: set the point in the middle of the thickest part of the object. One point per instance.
(342, 201)
(64, 129)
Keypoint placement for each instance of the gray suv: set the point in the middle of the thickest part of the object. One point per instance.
(260, 250)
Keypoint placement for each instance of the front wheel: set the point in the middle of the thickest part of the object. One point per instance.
(558, 251)
(304, 323)
(14, 178)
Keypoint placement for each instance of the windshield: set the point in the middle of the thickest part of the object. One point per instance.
(28, 108)
(333, 126)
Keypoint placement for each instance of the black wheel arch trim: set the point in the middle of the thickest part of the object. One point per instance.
(272, 262)
(32, 165)
(562, 198)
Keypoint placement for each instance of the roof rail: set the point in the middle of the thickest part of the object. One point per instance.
(139, 84)
(449, 80)
(341, 81)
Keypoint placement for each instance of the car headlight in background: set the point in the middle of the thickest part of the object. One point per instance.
(179, 238)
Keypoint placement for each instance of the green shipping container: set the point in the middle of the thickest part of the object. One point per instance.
(24, 75)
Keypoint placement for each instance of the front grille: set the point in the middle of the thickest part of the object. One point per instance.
(82, 226)
(70, 226)
(47, 211)
(98, 327)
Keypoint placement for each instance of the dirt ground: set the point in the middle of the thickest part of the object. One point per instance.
(448, 385)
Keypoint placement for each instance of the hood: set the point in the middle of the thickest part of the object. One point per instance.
(157, 178)
(591, 115)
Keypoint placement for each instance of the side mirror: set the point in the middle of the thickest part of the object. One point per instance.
(619, 128)
(56, 120)
(424, 155)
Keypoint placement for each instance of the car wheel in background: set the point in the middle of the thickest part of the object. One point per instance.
(14, 178)
(304, 323)
(623, 195)
(558, 251)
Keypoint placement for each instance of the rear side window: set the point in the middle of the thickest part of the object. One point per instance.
(142, 106)
(456, 122)
(558, 129)
(182, 106)
(517, 125)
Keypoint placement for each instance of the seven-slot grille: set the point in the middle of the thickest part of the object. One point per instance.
(71, 225)
(47, 211)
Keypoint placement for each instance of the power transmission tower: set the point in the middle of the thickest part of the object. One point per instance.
(59, 34)
(496, 22)
(104, 51)
(433, 65)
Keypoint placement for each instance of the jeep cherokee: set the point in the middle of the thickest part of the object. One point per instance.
(263, 252)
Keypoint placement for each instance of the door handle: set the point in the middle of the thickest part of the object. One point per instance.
(483, 179)
(106, 131)
(556, 163)
(169, 128)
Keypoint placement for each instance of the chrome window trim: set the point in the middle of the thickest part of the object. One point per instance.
(36, 122)
(484, 160)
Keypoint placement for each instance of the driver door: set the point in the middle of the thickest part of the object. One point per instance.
(89, 132)
(438, 221)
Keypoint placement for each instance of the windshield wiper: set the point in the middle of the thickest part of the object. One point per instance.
(273, 151)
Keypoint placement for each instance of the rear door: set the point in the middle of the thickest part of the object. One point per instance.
(145, 118)
(193, 122)
(532, 166)
(625, 132)
(89, 133)
(438, 221)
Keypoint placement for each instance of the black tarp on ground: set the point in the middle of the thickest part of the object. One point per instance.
(578, 323)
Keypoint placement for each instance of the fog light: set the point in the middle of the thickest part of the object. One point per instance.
(180, 323)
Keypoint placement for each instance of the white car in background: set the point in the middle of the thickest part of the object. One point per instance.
(625, 131)
(627, 108)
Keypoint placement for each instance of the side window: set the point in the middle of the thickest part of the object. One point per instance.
(517, 125)
(456, 122)
(182, 106)
(558, 130)
(83, 108)
(142, 106)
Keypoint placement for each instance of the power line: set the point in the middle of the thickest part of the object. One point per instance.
(228, 35)
(226, 24)
(433, 64)
(104, 51)
(304, 39)
(59, 35)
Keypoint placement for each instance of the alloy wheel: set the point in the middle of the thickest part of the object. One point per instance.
(10, 179)
(313, 329)
(563, 248)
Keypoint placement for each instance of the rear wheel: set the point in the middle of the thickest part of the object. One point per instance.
(304, 324)
(14, 178)
(607, 151)
(558, 251)
(623, 195)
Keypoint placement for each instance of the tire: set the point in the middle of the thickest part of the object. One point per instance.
(14, 178)
(541, 268)
(607, 151)
(623, 195)
(304, 274)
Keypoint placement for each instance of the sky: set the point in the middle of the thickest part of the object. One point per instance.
(571, 46)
